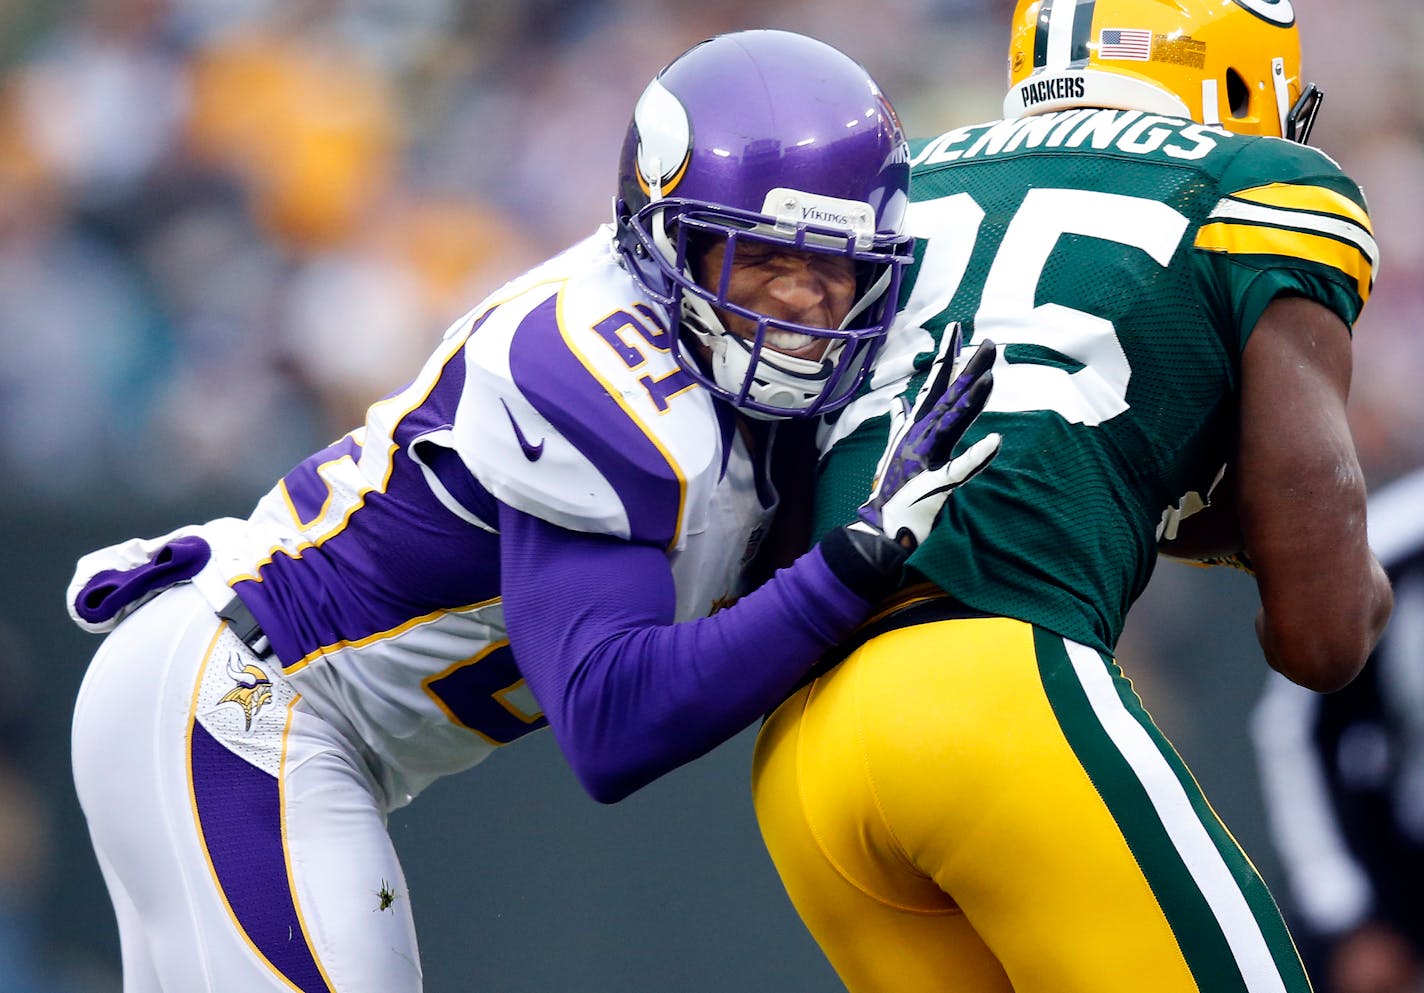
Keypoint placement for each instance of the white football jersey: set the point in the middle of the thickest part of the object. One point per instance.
(373, 566)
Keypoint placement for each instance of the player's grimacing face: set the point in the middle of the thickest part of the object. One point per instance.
(810, 288)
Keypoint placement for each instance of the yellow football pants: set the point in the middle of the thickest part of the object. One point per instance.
(979, 806)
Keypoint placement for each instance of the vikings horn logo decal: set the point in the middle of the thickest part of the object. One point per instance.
(252, 692)
(664, 140)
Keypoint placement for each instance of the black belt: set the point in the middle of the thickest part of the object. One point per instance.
(243, 624)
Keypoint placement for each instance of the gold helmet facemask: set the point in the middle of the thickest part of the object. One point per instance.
(1230, 63)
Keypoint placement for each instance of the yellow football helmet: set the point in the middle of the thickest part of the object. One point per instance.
(1232, 63)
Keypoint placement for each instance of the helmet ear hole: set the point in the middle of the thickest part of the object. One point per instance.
(1238, 94)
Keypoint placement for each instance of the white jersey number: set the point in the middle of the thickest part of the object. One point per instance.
(1096, 390)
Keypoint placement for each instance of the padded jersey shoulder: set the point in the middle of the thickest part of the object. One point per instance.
(575, 410)
(1289, 221)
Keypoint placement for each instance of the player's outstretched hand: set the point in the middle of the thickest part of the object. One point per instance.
(919, 471)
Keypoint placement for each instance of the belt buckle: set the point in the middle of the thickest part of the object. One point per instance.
(240, 620)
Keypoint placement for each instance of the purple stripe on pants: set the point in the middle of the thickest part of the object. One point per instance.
(240, 819)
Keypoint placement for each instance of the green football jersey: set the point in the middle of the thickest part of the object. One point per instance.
(1120, 261)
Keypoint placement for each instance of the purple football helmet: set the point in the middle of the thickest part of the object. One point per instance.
(772, 137)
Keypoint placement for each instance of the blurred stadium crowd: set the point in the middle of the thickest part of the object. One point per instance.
(227, 225)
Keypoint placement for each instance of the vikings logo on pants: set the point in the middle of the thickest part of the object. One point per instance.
(253, 690)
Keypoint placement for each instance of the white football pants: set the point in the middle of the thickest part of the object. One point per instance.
(242, 838)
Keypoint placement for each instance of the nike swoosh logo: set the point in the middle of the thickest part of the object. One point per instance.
(930, 493)
(531, 452)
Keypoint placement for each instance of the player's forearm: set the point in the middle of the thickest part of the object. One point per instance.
(631, 695)
(657, 698)
(1323, 642)
(1324, 597)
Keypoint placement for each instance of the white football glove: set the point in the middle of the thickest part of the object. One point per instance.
(917, 474)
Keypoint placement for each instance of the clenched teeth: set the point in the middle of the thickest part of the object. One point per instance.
(788, 341)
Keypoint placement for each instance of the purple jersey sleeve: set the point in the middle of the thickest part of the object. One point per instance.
(631, 695)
